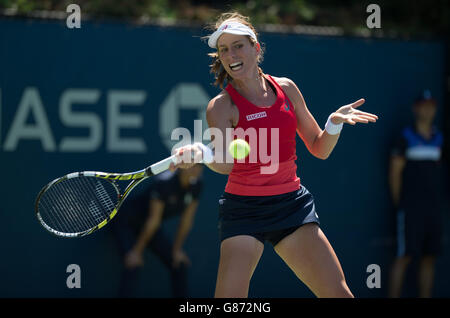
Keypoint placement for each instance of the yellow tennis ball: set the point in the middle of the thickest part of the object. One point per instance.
(239, 149)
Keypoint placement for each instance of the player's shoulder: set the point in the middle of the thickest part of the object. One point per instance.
(220, 99)
(284, 82)
(290, 89)
(220, 104)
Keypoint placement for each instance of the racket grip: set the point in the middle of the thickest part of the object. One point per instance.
(160, 166)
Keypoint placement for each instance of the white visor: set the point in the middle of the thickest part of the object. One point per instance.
(231, 28)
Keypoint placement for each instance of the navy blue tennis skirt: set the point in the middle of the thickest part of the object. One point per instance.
(267, 218)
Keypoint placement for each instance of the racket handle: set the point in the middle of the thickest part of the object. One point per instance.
(160, 166)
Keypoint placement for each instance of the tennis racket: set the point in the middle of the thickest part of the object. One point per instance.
(80, 203)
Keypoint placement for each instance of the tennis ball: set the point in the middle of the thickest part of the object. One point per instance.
(239, 149)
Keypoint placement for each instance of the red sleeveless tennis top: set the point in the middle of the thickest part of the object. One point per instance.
(270, 168)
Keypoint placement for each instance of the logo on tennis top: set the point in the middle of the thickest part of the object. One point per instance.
(256, 116)
(286, 105)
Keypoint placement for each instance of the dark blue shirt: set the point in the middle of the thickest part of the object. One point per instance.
(422, 175)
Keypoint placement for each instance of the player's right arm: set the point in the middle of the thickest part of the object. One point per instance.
(221, 115)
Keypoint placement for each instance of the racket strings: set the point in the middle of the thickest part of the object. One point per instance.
(104, 198)
(77, 204)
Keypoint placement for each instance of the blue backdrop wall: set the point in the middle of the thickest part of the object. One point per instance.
(106, 97)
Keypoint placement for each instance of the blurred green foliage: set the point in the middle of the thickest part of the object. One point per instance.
(399, 17)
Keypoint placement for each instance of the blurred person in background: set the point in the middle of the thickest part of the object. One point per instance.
(417, 192)
(139, 226)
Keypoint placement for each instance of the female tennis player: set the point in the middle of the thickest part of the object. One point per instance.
(275, 207)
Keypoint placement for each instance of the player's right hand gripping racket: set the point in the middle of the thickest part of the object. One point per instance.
(80, 203)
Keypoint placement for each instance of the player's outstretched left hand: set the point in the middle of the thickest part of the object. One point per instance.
(348, 114)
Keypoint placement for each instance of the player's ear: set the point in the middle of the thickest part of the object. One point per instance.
(258, 48)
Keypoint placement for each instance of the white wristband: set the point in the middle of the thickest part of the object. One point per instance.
(331, 128)
(208, 155)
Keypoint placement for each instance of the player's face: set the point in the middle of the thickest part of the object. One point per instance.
(238, 55)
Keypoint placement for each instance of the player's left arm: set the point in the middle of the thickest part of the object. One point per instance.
(184, 227)
(319, 142)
